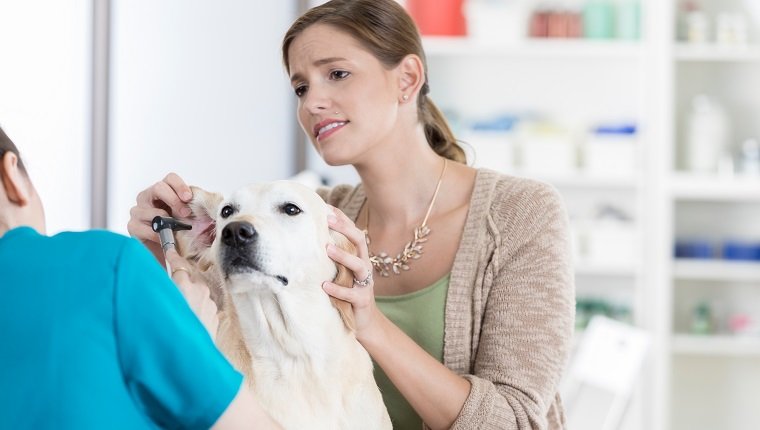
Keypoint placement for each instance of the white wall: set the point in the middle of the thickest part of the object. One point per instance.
(198, 88)
(44, 100)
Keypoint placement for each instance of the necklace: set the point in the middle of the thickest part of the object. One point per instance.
(383, 263)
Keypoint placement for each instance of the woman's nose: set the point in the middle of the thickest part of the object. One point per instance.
(316, 100)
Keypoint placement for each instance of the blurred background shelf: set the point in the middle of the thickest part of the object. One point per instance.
(686, 186)
(581, 180)
(716, 53)
(716, 270)
(717, 345)
(534, 48)
(607, 270)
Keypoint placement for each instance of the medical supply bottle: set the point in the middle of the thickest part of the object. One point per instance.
(707, 135)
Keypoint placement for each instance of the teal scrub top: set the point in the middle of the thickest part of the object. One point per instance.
(94, 335)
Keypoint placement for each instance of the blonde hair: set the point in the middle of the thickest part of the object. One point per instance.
(385, 29)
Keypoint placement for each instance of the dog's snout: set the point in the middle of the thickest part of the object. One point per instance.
(238, 234)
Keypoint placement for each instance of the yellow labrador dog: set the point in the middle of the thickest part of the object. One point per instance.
(262, 250)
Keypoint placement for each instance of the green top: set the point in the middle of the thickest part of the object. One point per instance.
(420, 315)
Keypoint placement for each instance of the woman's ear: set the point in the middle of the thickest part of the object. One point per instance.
(411, 75)
(17, 187)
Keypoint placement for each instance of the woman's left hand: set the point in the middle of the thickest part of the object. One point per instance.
(362, 295)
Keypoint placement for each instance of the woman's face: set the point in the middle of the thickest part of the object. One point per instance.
(347, 100)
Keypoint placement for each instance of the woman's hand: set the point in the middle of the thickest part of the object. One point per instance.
(168, 197)
(197, 294)
(362, 295)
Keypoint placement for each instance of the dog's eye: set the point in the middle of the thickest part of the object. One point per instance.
(290, 209)
(227, 211)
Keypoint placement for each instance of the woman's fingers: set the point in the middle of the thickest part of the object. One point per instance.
(341, 223)
(166, 197)
(358, 298)
(180, 267)
(140, 220)
(352, 262)
(179, 187)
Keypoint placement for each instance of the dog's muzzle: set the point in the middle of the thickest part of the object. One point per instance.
(239, 234)
(239, 241)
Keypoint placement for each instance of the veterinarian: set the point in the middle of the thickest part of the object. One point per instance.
(95, 335)
(463, 291)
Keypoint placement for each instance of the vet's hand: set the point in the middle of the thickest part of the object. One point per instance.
(197, 294)
(362, 295)
(168, 197)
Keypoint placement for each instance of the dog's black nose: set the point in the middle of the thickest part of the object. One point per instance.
(238, 234)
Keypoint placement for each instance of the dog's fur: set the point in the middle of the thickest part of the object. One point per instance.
(294, 343)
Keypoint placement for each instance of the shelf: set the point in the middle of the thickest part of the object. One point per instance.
(723, 345)
(582, 180)
(686, 186)
(533, 48)
(716, 53)
(716, 270)
(591, 269)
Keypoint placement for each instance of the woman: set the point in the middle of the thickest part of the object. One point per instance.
(470, 324)
(95, 335)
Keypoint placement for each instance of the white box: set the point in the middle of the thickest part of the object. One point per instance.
(611, 242)
(492, 149)
(497, 23)
(551, 154)
(610, 156)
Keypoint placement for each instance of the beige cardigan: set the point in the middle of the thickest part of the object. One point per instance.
(511, 303)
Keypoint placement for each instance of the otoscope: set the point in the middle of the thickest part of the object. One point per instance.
(165, 227)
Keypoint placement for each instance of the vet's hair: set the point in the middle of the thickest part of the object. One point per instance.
(6, 145)
(385, 29)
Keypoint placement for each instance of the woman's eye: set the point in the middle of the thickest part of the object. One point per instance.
(290, 209)
(339, 74)
(227, 211)
(300, 90)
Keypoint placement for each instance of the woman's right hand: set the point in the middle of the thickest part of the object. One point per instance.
(168, 197)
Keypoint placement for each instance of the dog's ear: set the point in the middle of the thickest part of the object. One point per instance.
(344, 278)
(194, 244)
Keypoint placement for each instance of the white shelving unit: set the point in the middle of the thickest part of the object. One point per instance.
(571, 81)
(651, 82)
(716, 208)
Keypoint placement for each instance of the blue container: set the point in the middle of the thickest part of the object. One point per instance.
(694, 249)
(740, 250)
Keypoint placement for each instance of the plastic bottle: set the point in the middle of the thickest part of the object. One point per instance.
(701, 322)
(599, 19)
(707, 135)
(749, 157)
(628, 20)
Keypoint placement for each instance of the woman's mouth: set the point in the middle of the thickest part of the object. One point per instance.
(326, 128)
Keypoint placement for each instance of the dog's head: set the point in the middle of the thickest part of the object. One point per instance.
(267, 238)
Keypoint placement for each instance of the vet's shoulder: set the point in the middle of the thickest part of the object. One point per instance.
(103, 238)
(100, 245)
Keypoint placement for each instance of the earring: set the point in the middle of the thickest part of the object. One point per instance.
(405, 97)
